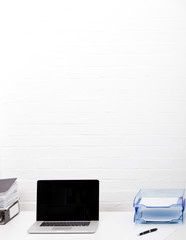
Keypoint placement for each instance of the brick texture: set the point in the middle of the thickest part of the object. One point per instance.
(94, 90)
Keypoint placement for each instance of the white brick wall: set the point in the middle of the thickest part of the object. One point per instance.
(94, 90)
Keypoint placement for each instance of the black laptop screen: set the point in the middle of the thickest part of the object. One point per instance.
(67, 200)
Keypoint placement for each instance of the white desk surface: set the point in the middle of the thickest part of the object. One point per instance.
(112, 226)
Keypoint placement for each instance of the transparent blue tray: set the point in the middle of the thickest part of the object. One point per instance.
(159, 206)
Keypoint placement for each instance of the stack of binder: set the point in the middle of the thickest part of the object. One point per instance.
(159, 206)
(9, 204)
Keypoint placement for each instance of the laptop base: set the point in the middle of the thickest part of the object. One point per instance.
(37, 229)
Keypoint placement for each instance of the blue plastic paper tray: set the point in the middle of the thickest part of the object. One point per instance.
(159, 206)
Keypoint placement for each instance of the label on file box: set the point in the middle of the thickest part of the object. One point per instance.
(14, 210)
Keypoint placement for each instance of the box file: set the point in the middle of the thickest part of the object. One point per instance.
(7, 214)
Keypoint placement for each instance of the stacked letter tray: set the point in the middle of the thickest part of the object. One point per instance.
(159, 206)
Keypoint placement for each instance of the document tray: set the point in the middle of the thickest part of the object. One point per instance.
(159, 206)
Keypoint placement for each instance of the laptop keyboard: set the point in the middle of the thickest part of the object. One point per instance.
(54, 224)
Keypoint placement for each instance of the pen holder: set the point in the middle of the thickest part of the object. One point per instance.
(159, 206)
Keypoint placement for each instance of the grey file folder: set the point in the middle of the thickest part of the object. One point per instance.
(5, 184)
(9, 205)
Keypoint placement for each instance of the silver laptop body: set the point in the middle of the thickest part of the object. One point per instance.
(66, 206)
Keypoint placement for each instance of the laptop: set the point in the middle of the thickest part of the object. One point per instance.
(66, 206)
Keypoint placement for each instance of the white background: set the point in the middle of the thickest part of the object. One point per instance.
(93, 89)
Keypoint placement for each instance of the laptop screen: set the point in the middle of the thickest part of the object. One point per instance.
(67, 200)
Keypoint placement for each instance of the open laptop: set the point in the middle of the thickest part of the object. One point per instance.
(66, 206)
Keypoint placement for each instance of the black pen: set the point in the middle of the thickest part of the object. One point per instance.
(148, 231)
